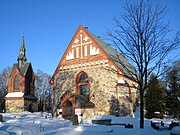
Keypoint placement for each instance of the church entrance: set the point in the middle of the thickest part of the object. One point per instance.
(30, 107)
(69, 108)
(69, 112)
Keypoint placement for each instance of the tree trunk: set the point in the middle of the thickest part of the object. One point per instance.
(141, 109)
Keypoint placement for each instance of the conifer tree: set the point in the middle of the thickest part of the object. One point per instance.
(154, 98)
(173, 92)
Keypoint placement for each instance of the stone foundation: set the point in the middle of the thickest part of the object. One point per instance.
(14, 106)
(20, 105)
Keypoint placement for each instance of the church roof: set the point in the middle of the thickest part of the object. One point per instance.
(22, 64)
(31, 97)
(22, 55)
(120, 61)
(83, 101)
(23, 69)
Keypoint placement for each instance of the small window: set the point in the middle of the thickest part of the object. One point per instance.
(16, 83)
(84, 90)
(83, 77)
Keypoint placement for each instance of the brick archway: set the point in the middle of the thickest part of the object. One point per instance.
(67, 104)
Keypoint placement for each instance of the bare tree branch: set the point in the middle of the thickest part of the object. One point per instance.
(142, 38)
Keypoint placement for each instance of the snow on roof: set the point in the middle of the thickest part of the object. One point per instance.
(15, 94)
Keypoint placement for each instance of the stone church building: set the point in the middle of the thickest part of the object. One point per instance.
(20, 95)
(89, 80)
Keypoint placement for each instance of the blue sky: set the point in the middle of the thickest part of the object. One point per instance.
(49, 25)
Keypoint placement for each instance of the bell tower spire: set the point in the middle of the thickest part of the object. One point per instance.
(22, 54)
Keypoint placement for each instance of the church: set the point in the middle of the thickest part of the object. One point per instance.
(89, 80)
(20, 94)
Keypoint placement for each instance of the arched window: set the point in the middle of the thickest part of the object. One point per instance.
(16, 83)
(83, 77)
(83, 84)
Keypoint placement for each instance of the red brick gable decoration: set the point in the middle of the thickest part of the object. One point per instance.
(11, 86)
(24, 86)
(83, 51)
(90, 80)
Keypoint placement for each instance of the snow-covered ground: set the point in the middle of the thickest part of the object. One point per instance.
(28, 123)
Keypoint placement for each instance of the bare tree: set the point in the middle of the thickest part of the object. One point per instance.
(141, 35)
(43, 89)
(3, 85)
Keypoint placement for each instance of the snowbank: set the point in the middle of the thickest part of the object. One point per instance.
(3, 133)
(96, 128)
(27, 123)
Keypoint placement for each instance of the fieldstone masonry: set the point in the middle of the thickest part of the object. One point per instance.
(14, 106)
(104, 92)
(17, 106)
(88, 76)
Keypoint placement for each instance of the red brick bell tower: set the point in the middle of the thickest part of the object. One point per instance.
(21, 96)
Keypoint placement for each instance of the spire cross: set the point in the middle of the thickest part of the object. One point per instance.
(81, 43)
(22, 54)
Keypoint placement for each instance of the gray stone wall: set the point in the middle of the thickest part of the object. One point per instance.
(104, 92)
(17, 106)
(34, 105)
(64, 81)
(14, 106)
